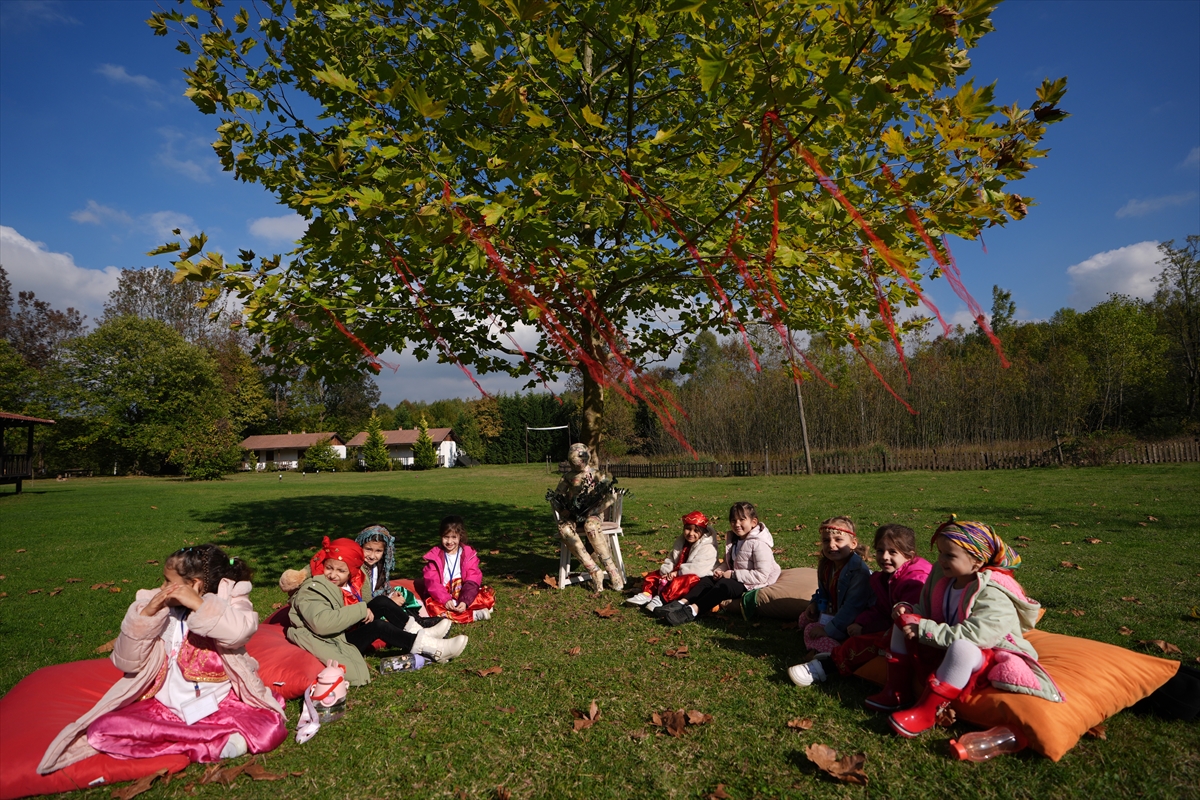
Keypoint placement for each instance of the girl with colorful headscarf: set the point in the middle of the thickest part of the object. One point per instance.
(694, 556)
(332, 620)
(968, 627)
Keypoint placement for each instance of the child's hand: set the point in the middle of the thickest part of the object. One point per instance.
(370, 617)
(816, 631)
(672, 574)
(910, 631)
(853, 629)
(156, 603)
(899, 610)
(182, 594)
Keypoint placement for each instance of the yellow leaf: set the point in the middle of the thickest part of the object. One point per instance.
(593, 118)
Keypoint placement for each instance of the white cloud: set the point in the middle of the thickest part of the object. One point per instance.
(1127, 270)
(163, 223)
(96, 214)
(287, 228)
(118, 74)
(1140, 208)
(170, 157)
(28, 14)
(1193, 158)
(54, 277)
(429, 380)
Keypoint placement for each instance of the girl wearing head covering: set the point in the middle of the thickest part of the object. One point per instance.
(968, 627)
(331, 619)
(189, 686)
(693, 557)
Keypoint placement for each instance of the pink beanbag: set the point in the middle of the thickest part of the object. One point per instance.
(42, 704)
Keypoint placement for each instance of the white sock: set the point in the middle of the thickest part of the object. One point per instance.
(695, 612)
(235, 746)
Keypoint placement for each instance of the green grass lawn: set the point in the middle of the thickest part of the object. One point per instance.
(446, 732)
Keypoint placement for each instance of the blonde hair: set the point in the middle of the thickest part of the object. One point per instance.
(846, 525)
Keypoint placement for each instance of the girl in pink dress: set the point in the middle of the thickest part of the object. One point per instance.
(453, 581)
(190, 686)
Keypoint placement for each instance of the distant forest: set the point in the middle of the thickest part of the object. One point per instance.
(157, 386)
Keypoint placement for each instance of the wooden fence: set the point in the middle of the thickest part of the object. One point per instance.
(879, 461)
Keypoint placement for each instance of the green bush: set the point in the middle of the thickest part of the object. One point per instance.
(320, 456)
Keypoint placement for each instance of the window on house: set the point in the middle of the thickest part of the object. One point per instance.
(269, 455)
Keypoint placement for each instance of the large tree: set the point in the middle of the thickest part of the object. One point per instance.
(151, 293)
(617, 174)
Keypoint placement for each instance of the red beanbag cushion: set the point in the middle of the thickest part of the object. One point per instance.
(283, 667)
(38, 708)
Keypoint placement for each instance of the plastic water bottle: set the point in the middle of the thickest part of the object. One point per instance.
(402, 663)
(984, 745)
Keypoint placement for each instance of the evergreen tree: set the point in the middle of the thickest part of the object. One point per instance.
(320, 456)
(374, 452)
(424, 455)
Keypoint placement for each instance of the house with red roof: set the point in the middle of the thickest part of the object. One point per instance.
(286, 449)
(400, 444)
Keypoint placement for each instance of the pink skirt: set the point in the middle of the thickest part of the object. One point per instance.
(147, 728)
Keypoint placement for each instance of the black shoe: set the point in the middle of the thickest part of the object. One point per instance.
(680, 616)
(427, 622)
(667, 608)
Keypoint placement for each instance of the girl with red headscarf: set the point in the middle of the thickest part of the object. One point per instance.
(693, 557)
(331, 620)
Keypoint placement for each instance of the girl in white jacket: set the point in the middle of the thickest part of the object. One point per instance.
(693, 557)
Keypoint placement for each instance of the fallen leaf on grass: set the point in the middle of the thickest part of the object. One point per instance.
(277, 606)
(1070, 565)
(638, 735)
(676, 722)
(506, 709)
(3, 594)
(1024, 539)
(259, 773)
(586, 719)
(101, 585)
(115, 589)
(503, 794)
(69, 580)
(155, 508)
(800, 724)
(550, 581)
(606, 612)
(1093, 540)
(654, 640)
(848, 769)
(493, 552)
(1066, 542)
(1076, 612)
(56, 590)
(1098, 732)
(1152, 519)
(717, 794)
(153, 561)
(1054, 526)
(106, 647)
(1142, 524)
(1125, 631)
(1165, 647)
(417, 709)
(483, 673)
(215, 773)
(137, 787)
(34, 591)
(946, 717)
(677, 652)
(777, 550)
(1132, 600)
(22, 550)
(574, 651)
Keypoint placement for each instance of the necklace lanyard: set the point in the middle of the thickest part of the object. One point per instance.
(457, 559)
(179, 649)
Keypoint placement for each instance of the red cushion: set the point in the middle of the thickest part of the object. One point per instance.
(283, 667)
(38, 708)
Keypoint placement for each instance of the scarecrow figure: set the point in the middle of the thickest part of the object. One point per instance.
(579, 501)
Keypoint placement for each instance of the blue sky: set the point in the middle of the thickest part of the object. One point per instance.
(101, 155)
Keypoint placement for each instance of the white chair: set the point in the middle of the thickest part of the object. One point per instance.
(610, 524)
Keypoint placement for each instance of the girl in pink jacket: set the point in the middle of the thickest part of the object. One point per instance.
(453, 581)
(189, 685)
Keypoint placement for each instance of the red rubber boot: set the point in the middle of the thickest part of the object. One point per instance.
(897, 692)
(923, 716)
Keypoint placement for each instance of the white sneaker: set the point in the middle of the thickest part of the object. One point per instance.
(640, 599)
(807, 674)
(235, 746)
(654, 603)
(482, 613)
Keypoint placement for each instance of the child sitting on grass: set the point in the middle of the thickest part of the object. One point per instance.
(189, 686)
(694, 556)
(379, 557)
(969, 623)
(453, 580)
(331, 620)
(843, 592)
(899, 579)
(749, 564)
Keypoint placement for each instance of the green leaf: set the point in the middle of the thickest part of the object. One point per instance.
(711, 71)
(479, 51)
(423, 104)
(536, 119)
(593, 118)
(565, 55)
(663, 135)
(336, 79)
(492, 213)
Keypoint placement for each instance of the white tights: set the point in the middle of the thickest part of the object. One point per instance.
(961, 661)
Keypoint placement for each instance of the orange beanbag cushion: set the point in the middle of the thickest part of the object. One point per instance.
(283, 667)
(1097, 680)
(42, 704)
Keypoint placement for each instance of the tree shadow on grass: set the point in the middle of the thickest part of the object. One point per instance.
(274, 535)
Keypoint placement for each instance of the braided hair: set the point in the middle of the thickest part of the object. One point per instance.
(210, 564)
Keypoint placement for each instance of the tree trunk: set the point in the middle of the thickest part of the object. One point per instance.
(593, 392)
